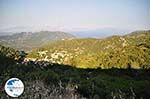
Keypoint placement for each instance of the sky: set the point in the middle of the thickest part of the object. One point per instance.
(75, 15)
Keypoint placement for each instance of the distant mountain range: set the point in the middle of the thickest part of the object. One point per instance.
(80, 33)
(30, 40)
(100, 33)
(6, 33)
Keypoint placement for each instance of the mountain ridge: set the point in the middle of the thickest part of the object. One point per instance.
(30, 40)
(130, 50)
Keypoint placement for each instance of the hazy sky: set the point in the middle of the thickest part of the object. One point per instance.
(75, 14)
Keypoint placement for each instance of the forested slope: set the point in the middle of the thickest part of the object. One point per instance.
(132, 50)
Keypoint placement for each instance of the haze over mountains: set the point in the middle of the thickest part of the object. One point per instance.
(28, 40)
(100, 33)
(80, 33)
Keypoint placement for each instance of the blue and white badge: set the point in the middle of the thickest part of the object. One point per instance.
(14, 87)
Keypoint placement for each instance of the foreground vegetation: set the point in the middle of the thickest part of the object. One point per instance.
(65, 82)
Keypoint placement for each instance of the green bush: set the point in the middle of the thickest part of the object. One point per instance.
(50, 77)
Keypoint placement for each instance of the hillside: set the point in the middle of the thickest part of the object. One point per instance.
(27, 40)
(132, 50)
(57, 81)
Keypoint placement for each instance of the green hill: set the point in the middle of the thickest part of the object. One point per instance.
(27, 40)
(132, 50)
(55, 80)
